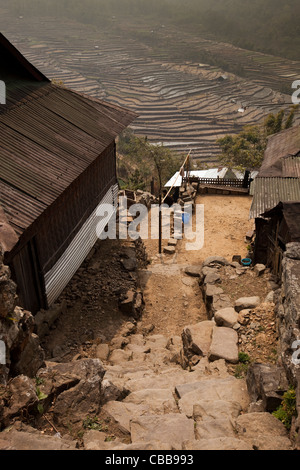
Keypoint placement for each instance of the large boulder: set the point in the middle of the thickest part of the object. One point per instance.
(158, 400)
(263, 431)
(197, 338)
(267, 383)
(172, 428)
(27, 438)
(227, 317)
(23, 398)
(226, 389)
(218, 443)
(224, 345)
(246, 303)
(76, 387)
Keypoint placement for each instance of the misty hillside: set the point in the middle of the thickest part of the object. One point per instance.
(269, 26)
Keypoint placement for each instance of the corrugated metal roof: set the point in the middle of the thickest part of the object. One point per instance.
(283, 144)
(48, 136)
(291, 167)
(268, 192)
(15, 61)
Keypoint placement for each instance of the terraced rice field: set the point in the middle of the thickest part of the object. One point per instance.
(183, 103)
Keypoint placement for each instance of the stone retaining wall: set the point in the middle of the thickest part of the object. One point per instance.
(20, 346)
(288, 318)
(288, 309)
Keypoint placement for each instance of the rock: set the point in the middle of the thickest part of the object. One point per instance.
(262, 430)
(212, 278)
(45, 319)
(123, 413)
(221, 443)
(147, 329)
(169, 250)
(132, 304)
(126, 306)
(216, 409)
(156, 342)
(172, 428)
(259, 269)
(102, 352)
(227, 317)
(185, 388)
(74, 404)
(271, 443)
(194, 271)
(219, 301)
(23, 398)
(160, 401)
(244, 316)
(212, 428)
(224, 345)
(270, 297)
(129, 264)
(31, 359)
(118, 342)
(119, 355)
(246, 303)
(249, 235)
(152, 445)
(95, 440)
(128, 329)
(7, 295)
(31, 439)
(111, 392)
(226, 389)
(197, 338)
(267, 383)
(215, 260)
(172, 242)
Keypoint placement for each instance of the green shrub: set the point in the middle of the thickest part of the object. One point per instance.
(287, 409)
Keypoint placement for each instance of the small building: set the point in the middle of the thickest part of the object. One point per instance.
(57, 165)
(282, 226)
(276, 188)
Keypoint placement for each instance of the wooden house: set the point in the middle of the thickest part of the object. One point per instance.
(282, 227)
(57, 165)
(275, 190)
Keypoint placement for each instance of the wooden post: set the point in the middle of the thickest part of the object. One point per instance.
(159, 225)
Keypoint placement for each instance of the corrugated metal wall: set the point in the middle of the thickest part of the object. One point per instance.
(62, 272)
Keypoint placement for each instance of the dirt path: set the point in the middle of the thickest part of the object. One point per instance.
(173, 299)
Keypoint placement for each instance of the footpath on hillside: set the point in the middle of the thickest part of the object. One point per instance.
(172, 378)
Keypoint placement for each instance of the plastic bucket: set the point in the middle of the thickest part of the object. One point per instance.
(246, 261)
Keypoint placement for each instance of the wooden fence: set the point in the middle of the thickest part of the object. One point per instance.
(216, 182)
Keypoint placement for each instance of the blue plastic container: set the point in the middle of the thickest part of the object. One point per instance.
(186, 218)
(246, 261)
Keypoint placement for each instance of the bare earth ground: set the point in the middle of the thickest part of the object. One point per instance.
(173, 299)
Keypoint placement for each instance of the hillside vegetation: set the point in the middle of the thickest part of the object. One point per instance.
(270, 26)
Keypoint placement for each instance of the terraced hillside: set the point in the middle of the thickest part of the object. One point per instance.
(187, 91)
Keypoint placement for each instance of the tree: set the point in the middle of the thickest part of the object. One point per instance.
(246, 149)
(140, 161)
